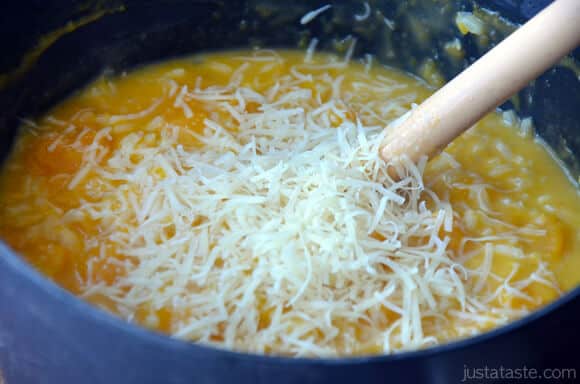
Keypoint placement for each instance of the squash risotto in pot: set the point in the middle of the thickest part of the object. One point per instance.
(238, 199)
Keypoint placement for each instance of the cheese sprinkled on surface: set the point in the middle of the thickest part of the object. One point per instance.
(245, 205)
(308, 17)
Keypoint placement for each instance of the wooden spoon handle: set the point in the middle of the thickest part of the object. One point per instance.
(491, 80)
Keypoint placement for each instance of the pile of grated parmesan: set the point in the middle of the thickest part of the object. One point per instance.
(285, 213)
(281, 232)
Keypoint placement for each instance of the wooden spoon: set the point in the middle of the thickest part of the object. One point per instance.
(500, 73)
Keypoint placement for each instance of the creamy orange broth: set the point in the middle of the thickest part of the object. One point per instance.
(523, 186)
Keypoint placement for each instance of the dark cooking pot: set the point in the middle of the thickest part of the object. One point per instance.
(49, 336)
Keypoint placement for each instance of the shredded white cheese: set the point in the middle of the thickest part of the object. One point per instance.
(285, 207)
(467, 22)
(366, 13)
(284, 232)
(310, 50)
(308, 17)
